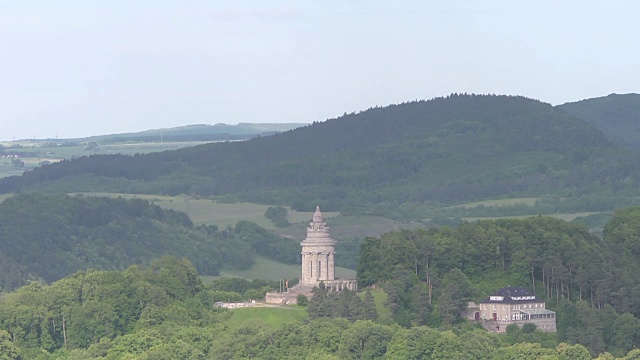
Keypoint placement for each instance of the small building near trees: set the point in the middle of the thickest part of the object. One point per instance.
(512, 305)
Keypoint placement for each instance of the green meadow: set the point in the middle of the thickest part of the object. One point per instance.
(565, 216)
(274, 316)
(210, 212)
(499, 202)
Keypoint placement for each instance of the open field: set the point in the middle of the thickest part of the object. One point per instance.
(32, 154)
(8, 170)
(272, 270)
(498, 203)
(565, 217)
(68, 152)
(270, 315)
(210, 212)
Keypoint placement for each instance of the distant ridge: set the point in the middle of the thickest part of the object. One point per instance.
(199, 132)
(617, 115)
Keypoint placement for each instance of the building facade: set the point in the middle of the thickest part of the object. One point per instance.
(513, 305)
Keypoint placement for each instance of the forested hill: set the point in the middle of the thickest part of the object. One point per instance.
(49, 237)
(453, 149)
(618, 116)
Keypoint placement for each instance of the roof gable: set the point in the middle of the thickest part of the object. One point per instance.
(512, 294)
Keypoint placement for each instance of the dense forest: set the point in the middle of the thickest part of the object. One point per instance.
(164, 311)
(616, 115)
(592, 282)
(49, 237)
(444, 150)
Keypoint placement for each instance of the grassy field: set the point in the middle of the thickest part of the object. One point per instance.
(68, 152)
(274, 316)
(209, 212)
(8, 170)
(498, 202)
(272, 270)
(565, 217)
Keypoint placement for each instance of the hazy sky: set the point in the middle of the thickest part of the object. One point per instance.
(79, 68)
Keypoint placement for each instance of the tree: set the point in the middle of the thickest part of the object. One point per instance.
(302, 300)
(17, 163)
(8, 350)
(365, 340)
(455, 295)
(369, 306)
(572, 352)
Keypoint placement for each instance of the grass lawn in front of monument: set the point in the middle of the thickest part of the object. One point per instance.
(274, 316)
(267, 269)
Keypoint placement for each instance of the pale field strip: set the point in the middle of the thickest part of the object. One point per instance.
(210, 212)
(498, 203)
(565, 217)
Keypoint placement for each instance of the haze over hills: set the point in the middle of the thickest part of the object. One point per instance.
(617, 115)
(446, 150)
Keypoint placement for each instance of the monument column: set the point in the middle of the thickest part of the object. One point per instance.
(331, 267)
(326, 266)
(314, 265)
(305, 273)
(302, 262)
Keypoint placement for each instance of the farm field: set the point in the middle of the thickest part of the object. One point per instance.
(68, 152)
(270, 315)
(272, 270)
(565, 217)
(8, 170)
(210, 212)
(498, 203)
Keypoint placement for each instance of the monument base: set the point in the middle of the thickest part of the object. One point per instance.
(306, 289)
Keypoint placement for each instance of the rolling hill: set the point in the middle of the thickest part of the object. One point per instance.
(446, 150)
(617, 115)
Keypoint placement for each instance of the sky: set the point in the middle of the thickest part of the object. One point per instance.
(79, 68)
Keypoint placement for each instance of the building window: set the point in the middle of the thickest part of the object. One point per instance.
(319, 269)
(494, 307)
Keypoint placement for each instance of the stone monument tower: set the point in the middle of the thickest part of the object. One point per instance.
(318, 250)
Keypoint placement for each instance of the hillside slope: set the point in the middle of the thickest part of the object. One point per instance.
(618, 116)
(50, 237)
(453, 149)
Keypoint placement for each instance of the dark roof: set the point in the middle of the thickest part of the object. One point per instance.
(512, 295)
